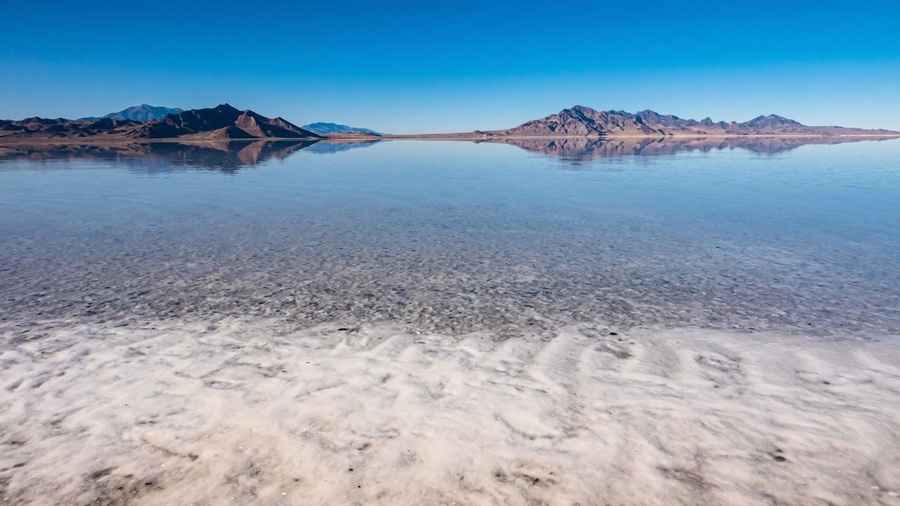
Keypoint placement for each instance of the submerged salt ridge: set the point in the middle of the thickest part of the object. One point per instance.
(459, 237)
(459, 289)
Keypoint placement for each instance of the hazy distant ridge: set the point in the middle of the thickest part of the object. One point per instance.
(141, 113)
(325, 128)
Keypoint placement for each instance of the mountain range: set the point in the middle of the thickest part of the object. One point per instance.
(222, 122)
(225, 122)
(581, 121)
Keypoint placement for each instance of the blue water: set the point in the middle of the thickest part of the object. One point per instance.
(458, 236)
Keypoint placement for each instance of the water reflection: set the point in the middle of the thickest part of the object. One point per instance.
(230, 156)
(458, 236)
(332, 147)
(226, 155)
(584, 149)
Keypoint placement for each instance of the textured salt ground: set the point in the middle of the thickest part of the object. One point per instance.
(254, 412)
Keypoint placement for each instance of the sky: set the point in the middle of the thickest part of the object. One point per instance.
(431, 66)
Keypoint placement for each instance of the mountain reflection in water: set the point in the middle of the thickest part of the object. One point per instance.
(583, 148)
(230, 156)
(226, 156)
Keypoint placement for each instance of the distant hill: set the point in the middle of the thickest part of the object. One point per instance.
(61, 128)
(323, 128)
(143, 113)
(581, 121)
(222, 122)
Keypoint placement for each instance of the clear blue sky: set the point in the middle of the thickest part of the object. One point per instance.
(434, 66)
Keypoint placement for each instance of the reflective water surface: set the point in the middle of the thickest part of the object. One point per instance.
(515, 237)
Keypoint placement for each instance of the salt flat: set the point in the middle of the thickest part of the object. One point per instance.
(256, 412)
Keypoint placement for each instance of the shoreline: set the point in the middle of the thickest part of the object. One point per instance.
(616, 137)
(252, 410)
(415, 137)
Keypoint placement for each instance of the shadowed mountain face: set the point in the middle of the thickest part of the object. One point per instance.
(581, 121)
(588, 148)
(323, 128)
(222, 122)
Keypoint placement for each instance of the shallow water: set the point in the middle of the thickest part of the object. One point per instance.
(458, 236)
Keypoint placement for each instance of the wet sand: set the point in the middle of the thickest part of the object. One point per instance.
(254, 411)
